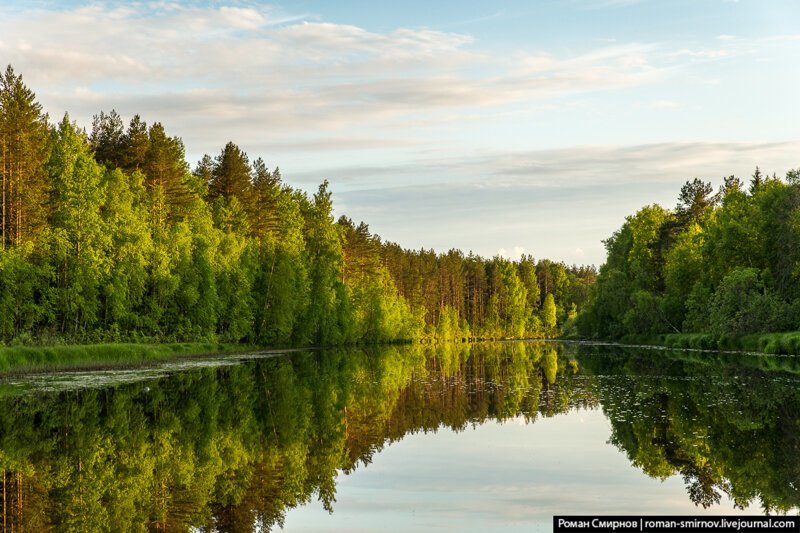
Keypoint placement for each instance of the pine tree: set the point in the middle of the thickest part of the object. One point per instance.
(264, 199)
(757, 181)
(231, 174)
(24, 149)
(166, 171)
(204, 169)
(134, 145)
(327, 319)
(108, 139)
(696, 196)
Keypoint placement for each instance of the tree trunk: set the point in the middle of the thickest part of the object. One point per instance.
(3, 170)
(19, 499)
(5, 508)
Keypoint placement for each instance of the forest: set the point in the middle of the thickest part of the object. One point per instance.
(724, 264)
(111, 235)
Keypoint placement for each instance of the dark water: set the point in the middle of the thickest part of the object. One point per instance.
(493, 437)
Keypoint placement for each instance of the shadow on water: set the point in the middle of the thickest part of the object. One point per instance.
(231, 447)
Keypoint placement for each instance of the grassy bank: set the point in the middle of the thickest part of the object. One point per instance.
(38, 358)
(768, 343)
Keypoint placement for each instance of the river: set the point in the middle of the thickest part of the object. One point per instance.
(490, 437)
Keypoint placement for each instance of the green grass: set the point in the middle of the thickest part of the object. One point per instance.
(38, 358)
(769, 343)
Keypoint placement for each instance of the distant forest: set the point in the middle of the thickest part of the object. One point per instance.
(111, 235)
(724, 263)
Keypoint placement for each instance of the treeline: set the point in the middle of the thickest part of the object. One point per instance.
(724, 263)
(111, 236)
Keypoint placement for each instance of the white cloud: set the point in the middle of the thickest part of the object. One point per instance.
(608, 67)
(704, 54)
(788, 37)
(257, 73)
(515, 253)
(243, 18)
(664, 104)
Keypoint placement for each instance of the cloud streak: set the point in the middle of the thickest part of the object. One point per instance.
(265, 70)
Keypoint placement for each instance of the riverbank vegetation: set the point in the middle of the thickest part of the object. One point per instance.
(769, 343)
(44, 358)
(719, 271)
(109, 237)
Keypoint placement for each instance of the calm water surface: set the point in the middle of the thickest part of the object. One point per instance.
(493, 437)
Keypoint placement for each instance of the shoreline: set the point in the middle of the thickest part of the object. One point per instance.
(15, 360)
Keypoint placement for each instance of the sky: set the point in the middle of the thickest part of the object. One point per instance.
(500, 127)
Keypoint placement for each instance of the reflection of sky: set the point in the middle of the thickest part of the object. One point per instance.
(497, 477)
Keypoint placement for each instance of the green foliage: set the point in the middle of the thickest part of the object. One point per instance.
(448, 328)
(549, 314)
(327, 319)
(166, 172)
(723, 264)
(230, 175)
(79, 237)
(698, 304)
(513, 300)
(643, 260)
(683, 268)
(741, 305)
(26, 358)
(694, 201)
(125, 216)
(610, 299)
(25, 145)
(644, 316)
(110, 237)
(23, 303)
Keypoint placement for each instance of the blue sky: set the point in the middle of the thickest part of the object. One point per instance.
(497, 127)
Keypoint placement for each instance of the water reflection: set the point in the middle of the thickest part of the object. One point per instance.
(728, 424)
(232, 447)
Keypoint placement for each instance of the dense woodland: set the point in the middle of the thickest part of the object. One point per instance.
(111, 235)
(724, 263)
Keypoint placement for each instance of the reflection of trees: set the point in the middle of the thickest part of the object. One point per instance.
(724, 423)
(233, 447)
